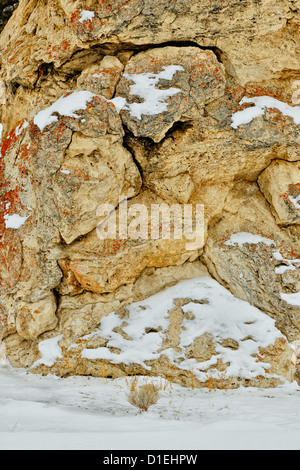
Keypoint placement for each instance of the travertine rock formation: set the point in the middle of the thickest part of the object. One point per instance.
(158, 103)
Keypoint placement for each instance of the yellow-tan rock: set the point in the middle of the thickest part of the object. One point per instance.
(181, 105)
(280, 184)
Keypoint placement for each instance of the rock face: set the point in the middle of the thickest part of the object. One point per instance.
(205, 338)
(116, 119)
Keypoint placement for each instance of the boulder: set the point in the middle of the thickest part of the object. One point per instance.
(195, 334)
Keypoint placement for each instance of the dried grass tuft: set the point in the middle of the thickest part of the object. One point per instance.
(144, 396)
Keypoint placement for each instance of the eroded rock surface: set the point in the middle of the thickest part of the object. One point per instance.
(168, 335)
(166, 85)
(156, 103)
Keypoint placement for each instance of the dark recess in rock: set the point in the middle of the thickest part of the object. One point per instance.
(7, 7)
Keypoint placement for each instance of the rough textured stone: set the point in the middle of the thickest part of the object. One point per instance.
(158, 336)
(36, 186)
(104, 265)
(102, 79)
(280, 184)
(34, 319)
(163, 80)
(166, 85)
(238, 30)
(258, 271)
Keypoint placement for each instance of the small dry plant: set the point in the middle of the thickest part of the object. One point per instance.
(143, 396)
(132, 382)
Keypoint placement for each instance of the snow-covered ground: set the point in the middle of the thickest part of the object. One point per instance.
(94, 414)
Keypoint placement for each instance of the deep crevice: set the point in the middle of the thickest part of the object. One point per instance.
(145, 47)
(127, 137)
(181, 126)
(148, 145)
(114, 49)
